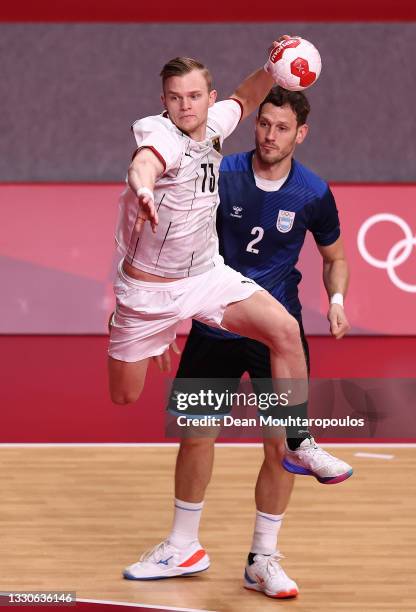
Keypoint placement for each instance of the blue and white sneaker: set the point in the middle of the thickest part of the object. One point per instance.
(167, 561)
(311, 460)
(266, 575)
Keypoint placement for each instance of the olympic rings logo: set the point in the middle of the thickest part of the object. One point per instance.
(398, 253)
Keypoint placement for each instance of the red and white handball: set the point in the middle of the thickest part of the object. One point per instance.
(294, 63)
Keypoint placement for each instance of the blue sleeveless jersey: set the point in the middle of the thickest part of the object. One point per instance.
(261, 233)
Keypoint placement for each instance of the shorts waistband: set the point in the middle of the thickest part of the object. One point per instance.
(169, 285)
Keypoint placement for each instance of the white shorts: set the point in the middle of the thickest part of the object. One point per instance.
(148, 314)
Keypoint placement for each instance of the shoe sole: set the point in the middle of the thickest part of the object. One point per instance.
(281, 595)
(296, 469)
(173, 573)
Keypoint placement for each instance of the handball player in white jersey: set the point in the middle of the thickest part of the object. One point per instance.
(171, 270)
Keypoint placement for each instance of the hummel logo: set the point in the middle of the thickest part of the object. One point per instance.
(165, 561)
(237, 210)
(248, 281)
(188, 155)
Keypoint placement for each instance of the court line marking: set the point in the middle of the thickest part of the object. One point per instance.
(374, 455)
(5, 594)
(176, 444)
(137, 605)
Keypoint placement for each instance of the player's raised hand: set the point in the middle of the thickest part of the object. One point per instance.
(338, 321)
(275, 43)
(147, 210)
(279, 40)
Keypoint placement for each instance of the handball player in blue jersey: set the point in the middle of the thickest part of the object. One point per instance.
(268, 202)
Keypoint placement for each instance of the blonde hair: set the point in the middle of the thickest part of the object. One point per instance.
(179, 66)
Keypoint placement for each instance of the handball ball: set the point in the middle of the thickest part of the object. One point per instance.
(294, 63)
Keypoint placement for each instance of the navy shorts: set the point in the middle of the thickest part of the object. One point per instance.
(205, 357)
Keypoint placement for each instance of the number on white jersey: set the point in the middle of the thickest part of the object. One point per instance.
(211, 184)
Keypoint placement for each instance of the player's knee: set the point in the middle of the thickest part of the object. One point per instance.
(122, 398)
(286, 334)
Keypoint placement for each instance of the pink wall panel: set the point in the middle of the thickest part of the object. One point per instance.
(382, 300)
(57, 256)
(65, 227)
(57, 259)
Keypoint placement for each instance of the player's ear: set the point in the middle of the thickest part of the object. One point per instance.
(162, 97)
(212, 97)
(302, 132)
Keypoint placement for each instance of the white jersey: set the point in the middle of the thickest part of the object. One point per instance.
(186, 196)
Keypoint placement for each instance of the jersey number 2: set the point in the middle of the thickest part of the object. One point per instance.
(259, 233)
(211, 183)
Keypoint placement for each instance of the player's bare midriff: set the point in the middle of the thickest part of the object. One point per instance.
(141, 275)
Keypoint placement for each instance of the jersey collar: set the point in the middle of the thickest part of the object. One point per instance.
(250, 167)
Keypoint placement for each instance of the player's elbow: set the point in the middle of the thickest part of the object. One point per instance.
(247, 106)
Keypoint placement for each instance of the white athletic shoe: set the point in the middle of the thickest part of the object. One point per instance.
(167, 561)
(267, 575)
(311, 460)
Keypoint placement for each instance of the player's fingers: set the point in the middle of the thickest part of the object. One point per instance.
(142, 217)
(343, 328)
(158, 361)
(139, 223)
(148, 207)
(278, 41)
(337, 331)
(166, 362)
(175, 348)
(333, 324)
(154, 220)
(146, 212)
(281, 38)
(146, 203)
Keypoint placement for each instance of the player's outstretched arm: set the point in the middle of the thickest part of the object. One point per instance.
(142, 174)
(254, 88)
(336, 277)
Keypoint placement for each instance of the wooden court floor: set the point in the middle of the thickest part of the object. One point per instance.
(72, 517)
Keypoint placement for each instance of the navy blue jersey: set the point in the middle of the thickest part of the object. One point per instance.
(261, 233)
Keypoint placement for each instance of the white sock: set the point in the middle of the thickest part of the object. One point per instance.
(185, 523)
(266, 530)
